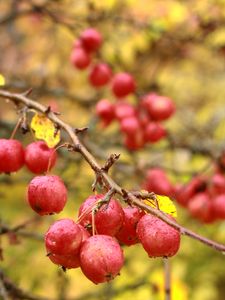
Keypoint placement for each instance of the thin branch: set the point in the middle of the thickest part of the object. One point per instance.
(167, 279)
(108, 181)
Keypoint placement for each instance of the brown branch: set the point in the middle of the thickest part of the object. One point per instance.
(107, 180)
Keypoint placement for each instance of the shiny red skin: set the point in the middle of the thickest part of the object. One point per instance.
(91, 39)
(70, 261)
(105, 110)
(108, 219)
(134, 142)
(218, 204)
(38, 156)
(127, 234)
(217, 184)
(66, 261)
(200, 207)
(80, 58)
(123, 84)
(124, 110)
(130, 125)
(11, 155)
(47, 194)
(159, 107)
(101, 258)
(64, 237)
(154, 132)
(157, 237)
(157, 181)
(184, 193)
(100, 75)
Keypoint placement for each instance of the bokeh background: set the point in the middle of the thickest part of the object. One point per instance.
(175, 48)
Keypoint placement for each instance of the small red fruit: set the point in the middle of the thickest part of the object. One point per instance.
(124, 110)
(80, 58)
(157, 181)
(100, 75)
(184, 193)
(64, 237)
(130, 125)
(91, 39)
(135, 141)
(123, 84)
(38, 156)
(105, 110)
(127, 234)
(218, 184)
(101, 258)
(47, 194)
(219, 206)
(108, 219)
(200, 207)
(72, 260)
(159, 107)
(154, 132)
(157, 237)
(11, 155)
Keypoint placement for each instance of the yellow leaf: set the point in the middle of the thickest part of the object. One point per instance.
(44, 129)
(2, 80)
(164, 204)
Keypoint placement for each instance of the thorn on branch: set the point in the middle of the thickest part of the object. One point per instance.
(27, 93)
(48, 110)
(110, 161)
(80, 130)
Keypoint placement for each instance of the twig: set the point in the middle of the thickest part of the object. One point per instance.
(107, 180)
(167, 278)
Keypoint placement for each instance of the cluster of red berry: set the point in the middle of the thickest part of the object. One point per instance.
(203, 196)
(37, 156)
(94, 241)
(139, 123)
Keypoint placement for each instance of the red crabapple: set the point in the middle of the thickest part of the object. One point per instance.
(101, 258)
(157, 237)
(197, 185)
(47, 194)
(134, 142)
(159, 107)
(64, 237)
(72, 260)
(123, 84)
(218, 204)
(105, 110)
(38, 156)
(218, 183)
(66, 261)
(200, 207)
(80, 58)
(157, 181)
(108, 219)
(124, 110)
(154, 132)
(11, 155)
(91, 39)
(100, 75)
(130, 125)
(127, 234)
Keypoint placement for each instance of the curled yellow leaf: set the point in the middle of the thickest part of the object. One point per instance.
(44, 129)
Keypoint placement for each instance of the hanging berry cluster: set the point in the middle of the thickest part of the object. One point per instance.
(94, 241)
(141, 123)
